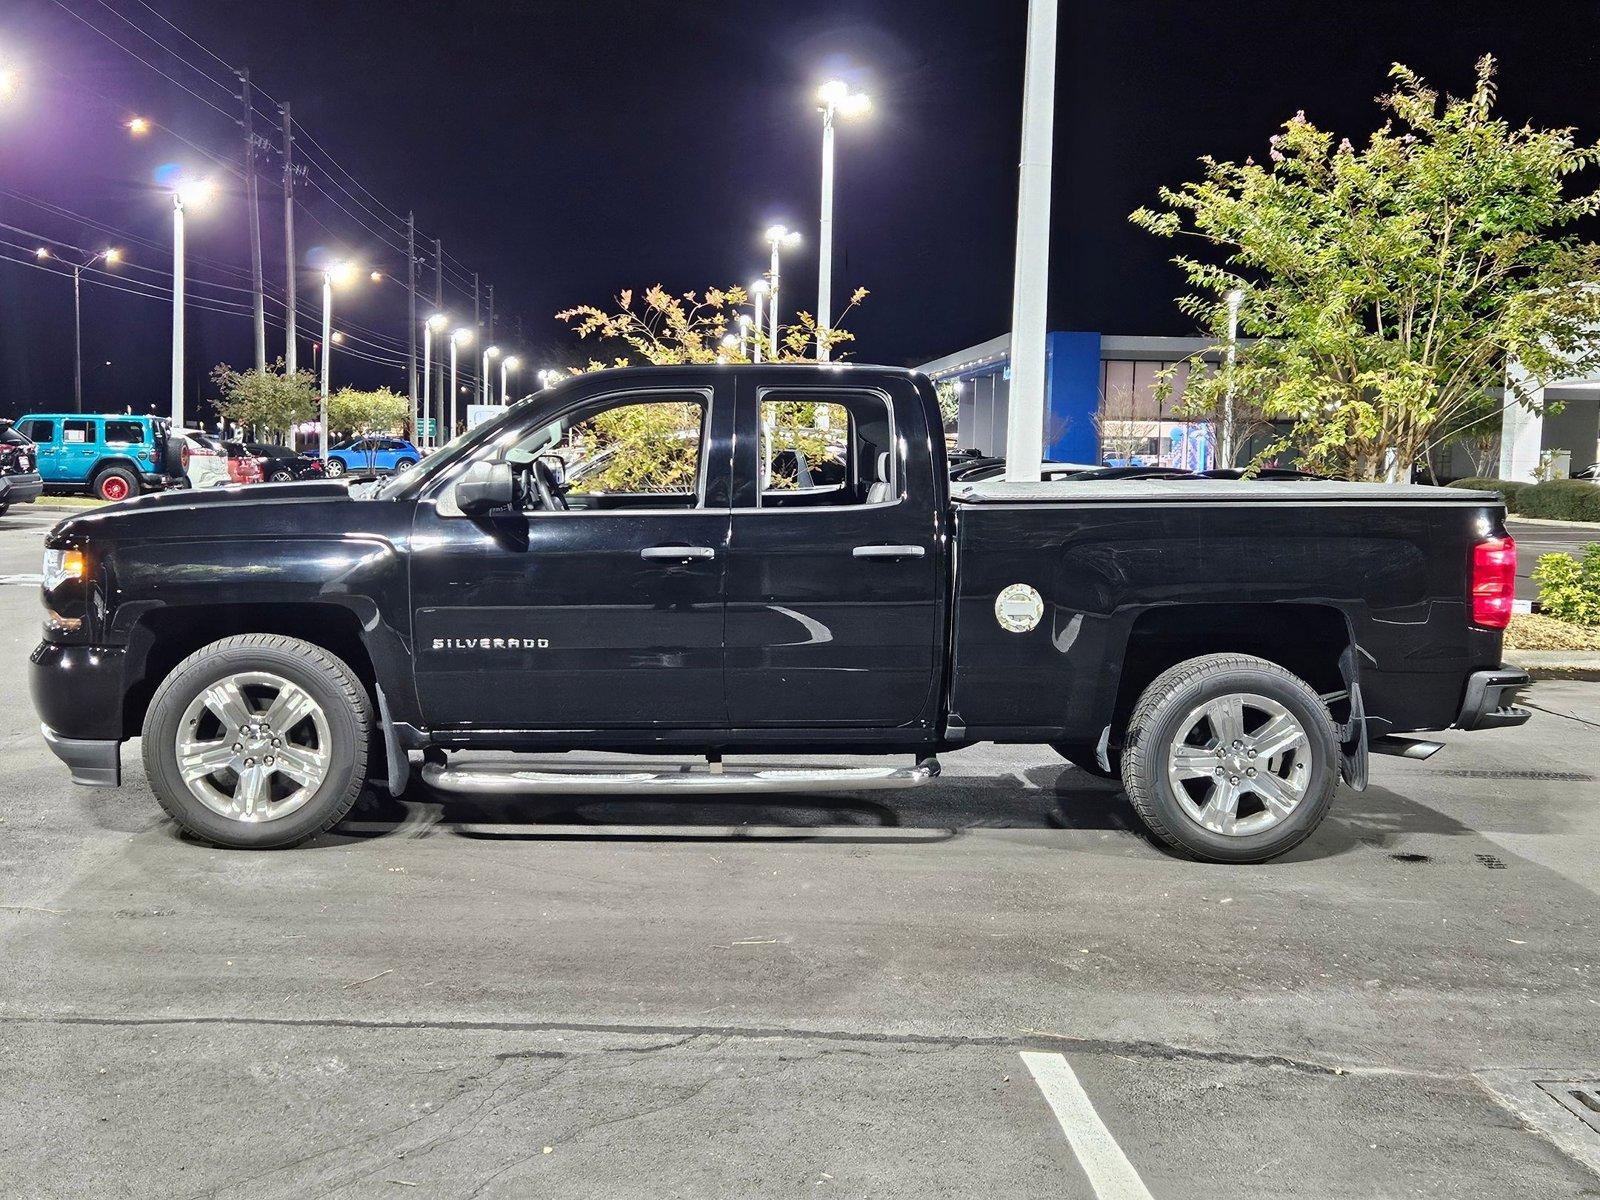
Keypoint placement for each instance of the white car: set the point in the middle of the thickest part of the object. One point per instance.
(205, 462)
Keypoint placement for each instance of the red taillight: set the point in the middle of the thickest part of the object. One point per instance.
(1494, 582)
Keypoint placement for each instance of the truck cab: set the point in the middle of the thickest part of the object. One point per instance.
(760, 560)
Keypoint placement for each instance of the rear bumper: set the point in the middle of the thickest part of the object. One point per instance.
(1490, 701)
(20, 489)
(91, 762)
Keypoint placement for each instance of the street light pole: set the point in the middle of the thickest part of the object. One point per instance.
(109, 256)
(510, 363)
(835, 99)
(177, 309)
(759, 289)
(1226, 451)
(777, 237)
(327, 357)
(485, 387)
(459, 337)
(436, 321)
(1031, 278)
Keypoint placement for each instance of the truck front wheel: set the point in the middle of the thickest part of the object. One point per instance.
(258, 742)
(1230, 758)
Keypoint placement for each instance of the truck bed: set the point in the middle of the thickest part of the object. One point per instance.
(1211, 491)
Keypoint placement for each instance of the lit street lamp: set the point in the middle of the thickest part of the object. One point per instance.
(744, 334)
(110, 256)
(835, 99)
(10, 81)
(510, 363)
(436, 321)
(341, 272)
(759, 290)
(138, 126)
(459, 337)
(183, 195)
(778, 236)
(485, 388)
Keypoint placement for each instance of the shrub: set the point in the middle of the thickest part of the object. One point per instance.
(1569, 588)
(1561, 500)
(1509, 489)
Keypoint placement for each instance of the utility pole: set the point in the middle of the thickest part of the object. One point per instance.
(411, 325)
(254, 214)
(1031, 282)
(477, 328)
(491, 312)
(438, 307)
(290, 356)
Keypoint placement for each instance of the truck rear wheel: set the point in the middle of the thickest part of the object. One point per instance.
(258, 742)
(1230, 758)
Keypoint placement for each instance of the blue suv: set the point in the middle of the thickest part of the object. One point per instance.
(111, 456)
(379, 454)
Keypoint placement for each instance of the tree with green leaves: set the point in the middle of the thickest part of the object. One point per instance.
(269, 402)
(1384, 289)
(356, 413)
(667, 329)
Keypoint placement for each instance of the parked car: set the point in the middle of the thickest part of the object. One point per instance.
(282, 464)
(243, 465)
(1230, 649)
(19, 469)
(380, 456)
(203, 459)
(107, 455)
(1591, 473)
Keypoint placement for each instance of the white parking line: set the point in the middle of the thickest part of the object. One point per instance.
(35, 577)
(1110, 1173)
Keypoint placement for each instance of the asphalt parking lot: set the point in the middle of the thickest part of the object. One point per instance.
(995, 986)
(1535, 538)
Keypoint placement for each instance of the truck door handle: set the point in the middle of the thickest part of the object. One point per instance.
(888, 552)
(677, 553)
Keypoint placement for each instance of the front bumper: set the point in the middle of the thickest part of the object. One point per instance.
(20, 489)
(92, 762)
(1490, 701)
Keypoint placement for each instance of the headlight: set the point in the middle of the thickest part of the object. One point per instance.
(65, 594)
(62, 566)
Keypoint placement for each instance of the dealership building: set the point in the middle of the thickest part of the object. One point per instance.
(1104, 403)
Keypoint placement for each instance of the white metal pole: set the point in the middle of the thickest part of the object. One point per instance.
(1226, 455)
(772, 306)
(427, 384)
(825, 250)
(1031, 282)
(505, 397)
(177, 311)
(760, 318)
(327, 355)
(452, 409)
(77, 338)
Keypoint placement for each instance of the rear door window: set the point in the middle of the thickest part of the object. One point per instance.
(78, 433)
(825, 450)
(125, 432)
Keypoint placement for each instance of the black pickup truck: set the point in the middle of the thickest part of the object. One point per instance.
(1230, 648)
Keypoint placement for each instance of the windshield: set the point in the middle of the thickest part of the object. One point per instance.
(457, 449)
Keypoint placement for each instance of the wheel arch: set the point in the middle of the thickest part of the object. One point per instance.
(164, 637)
(1306, 639)
(102, 465)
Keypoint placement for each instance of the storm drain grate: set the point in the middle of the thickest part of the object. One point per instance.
(1493, 862)
(1581, 1098)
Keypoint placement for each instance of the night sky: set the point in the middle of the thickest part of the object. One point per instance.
(568, 150)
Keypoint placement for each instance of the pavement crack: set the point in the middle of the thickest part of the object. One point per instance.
(1037, 1039)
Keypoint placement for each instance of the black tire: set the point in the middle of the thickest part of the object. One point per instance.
(282, 475)
(1083, 756)
(1157, 719)
(328, 680)
(404, 464)
(336, 468)
(121, 483)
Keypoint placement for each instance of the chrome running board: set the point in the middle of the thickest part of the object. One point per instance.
(509, 779)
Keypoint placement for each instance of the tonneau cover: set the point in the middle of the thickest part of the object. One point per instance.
(1210, 491)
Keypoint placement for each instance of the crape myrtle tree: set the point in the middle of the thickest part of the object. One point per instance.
(364, 414)
(1386, 287)
(665, 329)
(270, 403)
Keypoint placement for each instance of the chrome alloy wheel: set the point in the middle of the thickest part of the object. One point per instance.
(1239, 764)
(253, 747)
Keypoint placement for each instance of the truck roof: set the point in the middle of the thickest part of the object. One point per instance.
(1211, 491)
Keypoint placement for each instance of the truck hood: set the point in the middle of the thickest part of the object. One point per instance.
(246, 507)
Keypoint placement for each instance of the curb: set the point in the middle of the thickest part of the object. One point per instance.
(1552, 523)
(1557, 664)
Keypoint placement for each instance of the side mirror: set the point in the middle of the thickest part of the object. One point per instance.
(484, 487)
